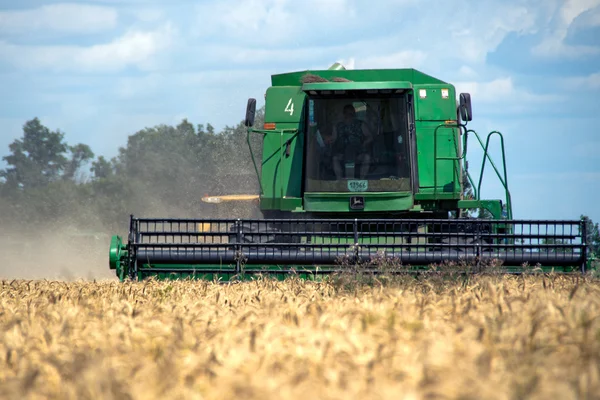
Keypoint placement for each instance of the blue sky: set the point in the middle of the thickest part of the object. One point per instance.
(102, 70)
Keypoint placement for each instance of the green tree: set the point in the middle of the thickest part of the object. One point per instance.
(36, 159)
(163, 170)
(102, 168)
(592, 235)
(169, 166)
(185, 128)
(80, 154)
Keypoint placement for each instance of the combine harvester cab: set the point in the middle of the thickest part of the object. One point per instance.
(358, 167)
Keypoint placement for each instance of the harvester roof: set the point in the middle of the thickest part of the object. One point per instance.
(357, 75)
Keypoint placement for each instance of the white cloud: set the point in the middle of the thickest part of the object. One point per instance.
(134, 48)
(352, 29)
(487, 91)
(467, 72)
(554, 46)
(225, 55)
(484, 27)
(62, 17)
(359, 54)
(286, 23)
(401, 59)
(250, 20)
(148, 14)
(501, 90)
(591, 18)
(132, 87)
(250, 17)
(574, 8)
(591, 81)
(140, 87)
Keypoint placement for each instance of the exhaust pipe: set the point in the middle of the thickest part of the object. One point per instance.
(337, 67)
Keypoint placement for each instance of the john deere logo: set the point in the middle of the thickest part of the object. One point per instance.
(357, 203)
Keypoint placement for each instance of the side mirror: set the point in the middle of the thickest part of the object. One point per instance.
(466, 113)
(250, 112)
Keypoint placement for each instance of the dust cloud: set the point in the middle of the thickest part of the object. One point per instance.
(72, 249)
(54, 255)
(75, 244)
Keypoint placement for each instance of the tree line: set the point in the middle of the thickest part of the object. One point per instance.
(162, 171)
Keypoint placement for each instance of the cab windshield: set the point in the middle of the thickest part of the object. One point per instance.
(358, 144)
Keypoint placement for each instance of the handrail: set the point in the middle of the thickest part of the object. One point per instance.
(486, 156)
(252, 157)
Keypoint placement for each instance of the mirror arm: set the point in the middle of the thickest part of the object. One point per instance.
(250, 130)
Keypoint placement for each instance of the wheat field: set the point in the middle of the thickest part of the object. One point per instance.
(535, 337)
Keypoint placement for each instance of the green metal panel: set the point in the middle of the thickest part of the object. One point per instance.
(428, 194)
(284, 104)
(340, 202)
(271, 164)
(434, 102)
(447, 146)
(356, 85)
(281, 173)
(283, 148)
(437, 147)
(284, 204)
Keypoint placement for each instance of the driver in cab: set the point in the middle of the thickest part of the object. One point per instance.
(351, 135)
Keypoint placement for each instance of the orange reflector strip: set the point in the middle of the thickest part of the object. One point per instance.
(230, 197)
(269, 125)
(449, 122)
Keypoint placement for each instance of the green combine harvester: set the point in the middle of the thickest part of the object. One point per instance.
(358, 166)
